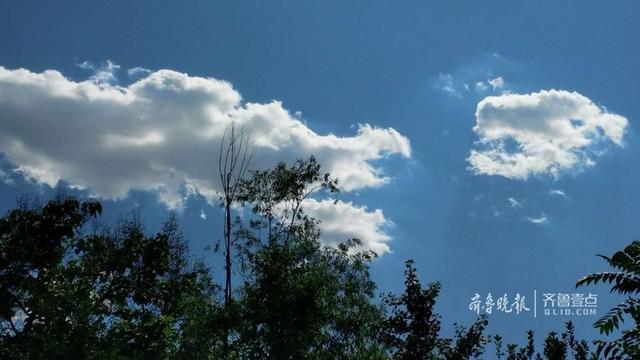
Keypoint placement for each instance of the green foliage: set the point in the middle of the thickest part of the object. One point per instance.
(467, 343)
(411, 331)
(564, 347)
(70, 290)
(412, 328)
(497, 341)
(528, 351)
(114, 294)
(524, 353)
(624, 280)
(300, 300)
(554, 348)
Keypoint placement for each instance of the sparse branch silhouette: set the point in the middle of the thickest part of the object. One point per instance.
(234, 159)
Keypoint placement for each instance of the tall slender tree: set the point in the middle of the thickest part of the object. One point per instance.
(233, 162)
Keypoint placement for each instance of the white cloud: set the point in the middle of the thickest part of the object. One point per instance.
(5, 178)
(514, 203)
(558, 192)
(203, 216)
(548, 132)
(103, 74)
(85, 65)
(162, 134)
(446, 83)
(344, 220)
(138, 72)
(481, 86)
(497, 83)
(455, 84)
(478, 76)
(542, 219)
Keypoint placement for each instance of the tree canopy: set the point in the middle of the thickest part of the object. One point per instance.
(71, 287)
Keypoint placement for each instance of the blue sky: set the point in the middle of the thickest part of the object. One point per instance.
(416, 72)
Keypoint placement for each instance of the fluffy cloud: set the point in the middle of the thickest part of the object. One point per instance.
(547, 132)
(162, 134)
(344, 220)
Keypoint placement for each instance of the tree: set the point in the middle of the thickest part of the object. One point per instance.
(522, 353)
(411, 330)
(300, 299)
(33, 289)
(69, 293)
(467, 343)
(512, 352)
(497, 341)
(578, 349)
(554, 348)
(72, 288)
(233, 162)
(625, 280)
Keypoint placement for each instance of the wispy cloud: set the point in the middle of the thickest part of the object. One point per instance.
(497, 83)
(137, 72)
(5, 178)
(447, 84)
(477, 78)
(542, 219)
(102, 74)
(514, 203)
(558, 192)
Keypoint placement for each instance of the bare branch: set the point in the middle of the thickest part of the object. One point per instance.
(234, 160)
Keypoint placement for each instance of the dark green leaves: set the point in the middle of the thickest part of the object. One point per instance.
(625, 280)
(65, 293)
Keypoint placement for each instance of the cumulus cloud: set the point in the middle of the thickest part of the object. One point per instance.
(344, 220)
(547, 132)
(162, 134)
